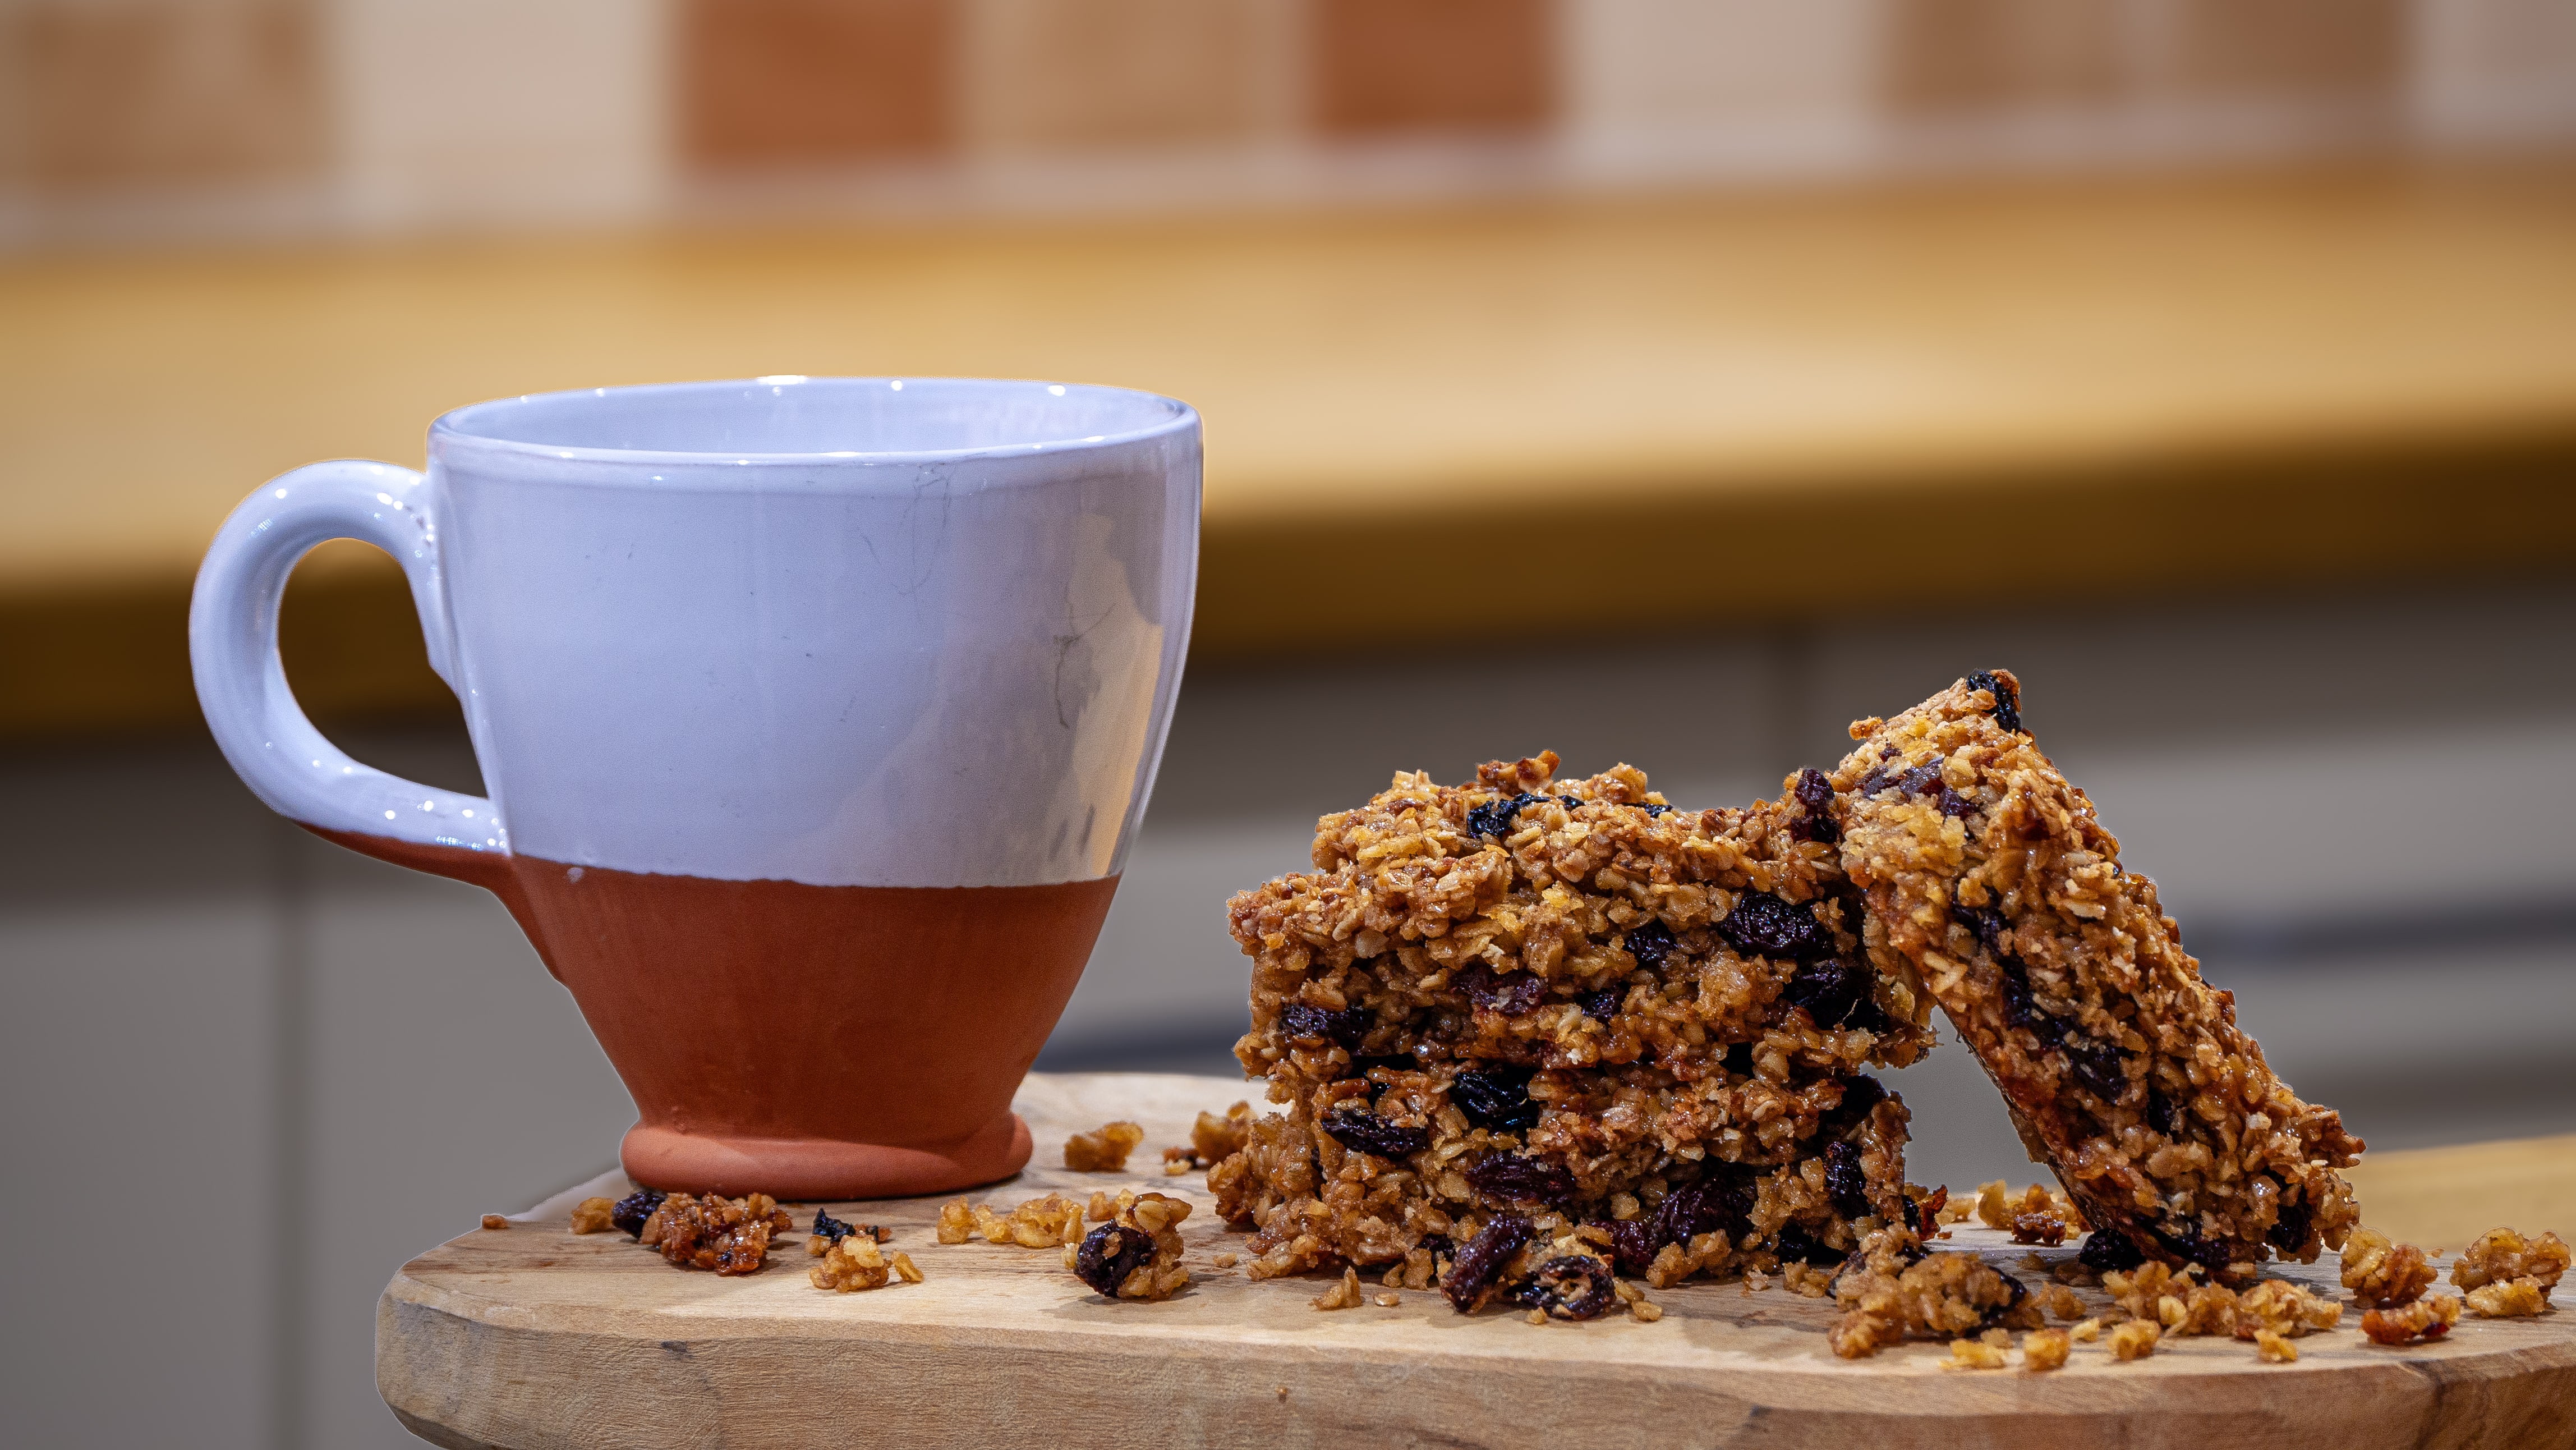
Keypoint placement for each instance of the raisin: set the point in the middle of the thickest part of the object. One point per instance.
(1109, 1254)
(1815, 796)
(1510, 993)
(1572, 1286)
(1795, 1245)
(1921, 780)
(2163, 1113)
(1828, 989)
(1860, 1094)
(1720, 1200)
(1496, 817)
(631, 1211)
(1345, 1027)
(1764, 925)
(1632, 1242)
(1986, 922)
(1650, 943)
(1603, 1005)
(1511, 1178)
(828, 1227)
(1496, 1098)
(1739, 1059)
(2289, 1231)
(1569, 802)
(2007, 704)
(1363, 1131)
(2017, 1292)
(1870, 1017)
(1955, 805)
(2106, 1250)
(1474, 1268)
(2186, 1243)
(1845, 1181)
(2097, 1065)
(1393, 1062)
(1652, 810)
(2021, 1005)
(1436, 1245)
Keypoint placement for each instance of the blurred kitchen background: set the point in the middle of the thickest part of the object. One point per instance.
(1667, 381)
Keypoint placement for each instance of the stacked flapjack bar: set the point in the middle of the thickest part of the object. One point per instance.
(1527, 1011)
(1991, 881)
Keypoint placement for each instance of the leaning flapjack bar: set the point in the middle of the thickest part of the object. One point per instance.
(1990, 880)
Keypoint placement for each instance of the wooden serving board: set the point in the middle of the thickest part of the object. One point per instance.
(535, 1337)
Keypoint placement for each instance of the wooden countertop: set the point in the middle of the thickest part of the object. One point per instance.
(532, 1335)
(1679, 412)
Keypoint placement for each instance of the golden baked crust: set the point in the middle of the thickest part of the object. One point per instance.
(1525, 995)
(1990, 880)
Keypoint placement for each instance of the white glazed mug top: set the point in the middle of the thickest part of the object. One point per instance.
(845, 631)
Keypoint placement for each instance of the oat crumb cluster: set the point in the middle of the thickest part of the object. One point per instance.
(706, 1231)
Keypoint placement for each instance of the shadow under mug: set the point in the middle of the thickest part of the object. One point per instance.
(817, 714)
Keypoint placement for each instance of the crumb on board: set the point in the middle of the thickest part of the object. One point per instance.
(2502, 1254)
(1137, 1253)
(2383, 1273)
(2044, 1349)
(1104, 1149)
(594, 1215)
(2425, 1319)
(1344, 1292)
(494, 1220)
(2135, 1339)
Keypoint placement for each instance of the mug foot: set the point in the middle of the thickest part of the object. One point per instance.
(807, 1169)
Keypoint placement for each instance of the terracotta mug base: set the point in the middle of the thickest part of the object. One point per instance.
(808, 1169)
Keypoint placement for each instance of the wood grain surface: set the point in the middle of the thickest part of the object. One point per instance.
(535, 1337)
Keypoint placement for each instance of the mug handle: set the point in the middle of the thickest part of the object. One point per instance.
(241, 683)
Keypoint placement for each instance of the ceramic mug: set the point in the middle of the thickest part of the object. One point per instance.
(817, 715)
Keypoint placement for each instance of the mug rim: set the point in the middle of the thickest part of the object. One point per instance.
(453, 427)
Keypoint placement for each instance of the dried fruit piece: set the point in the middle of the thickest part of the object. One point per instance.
(2007, 693)
(1512, 1178)
(1136, 1255)
(1572, 1286)
(1496, 818)
(1103, 1150)
(1109, 1254)
(1363, 1131)
(1830, 990)
(594, 1215)
(1495, 1098)
(1478, 1267)
(1651, 943)
(1510, 993)
(631, 1211)
(1765, 925)
(1815, 796)
(1846, 1183)
(2425, 1319)
(1321, 1025)
(2383, 1273)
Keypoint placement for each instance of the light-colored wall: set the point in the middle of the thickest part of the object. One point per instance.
(261, 1071)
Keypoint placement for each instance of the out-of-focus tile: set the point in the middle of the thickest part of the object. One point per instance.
(120, 93)
(1644, 64)
(771, 82)
(2287, 49)
(460, 109)
(2494, 69)
(1432, 65)
(1948, 56)
(1060, 74)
